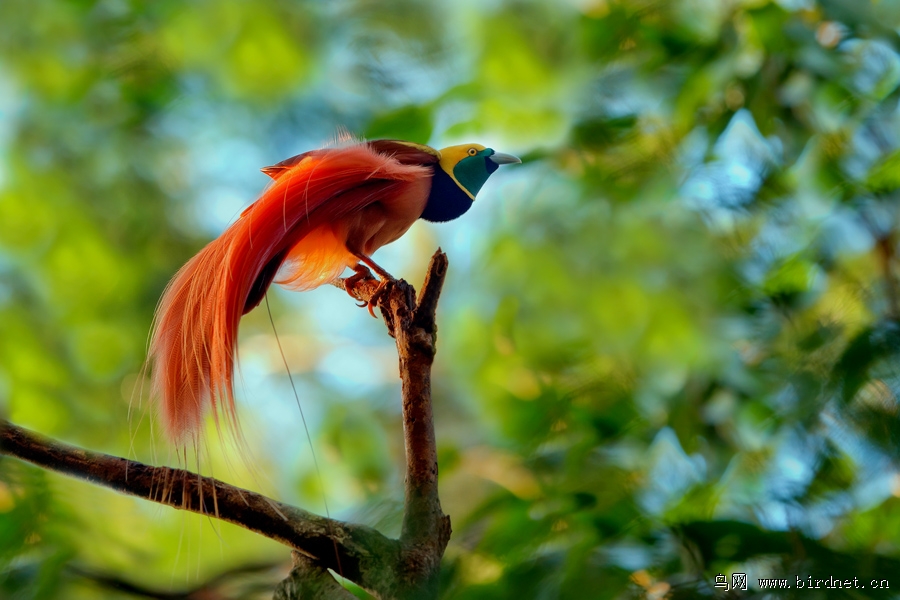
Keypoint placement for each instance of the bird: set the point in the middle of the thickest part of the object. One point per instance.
(325, 210)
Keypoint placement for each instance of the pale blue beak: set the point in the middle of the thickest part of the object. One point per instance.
(504, 159)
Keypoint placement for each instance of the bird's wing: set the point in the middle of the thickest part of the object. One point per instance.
(278, 169)
(406, 153)
(196, 323)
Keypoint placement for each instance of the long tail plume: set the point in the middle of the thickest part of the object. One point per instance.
(192, 347)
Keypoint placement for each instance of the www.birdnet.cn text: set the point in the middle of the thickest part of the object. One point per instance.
(740, 581)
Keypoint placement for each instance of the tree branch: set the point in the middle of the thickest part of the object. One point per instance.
(364, 553)
(404, 569)
(426, 530)
(423, 522)
(412, 323)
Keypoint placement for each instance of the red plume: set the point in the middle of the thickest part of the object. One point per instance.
(300, 219)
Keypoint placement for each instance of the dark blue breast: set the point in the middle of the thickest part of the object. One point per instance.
(447, 201)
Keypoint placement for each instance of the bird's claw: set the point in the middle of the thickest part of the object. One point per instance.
(377, 294)
(362, 273)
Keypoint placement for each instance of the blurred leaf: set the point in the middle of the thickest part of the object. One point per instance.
(870, 346)
(412, 123)
(884, 176)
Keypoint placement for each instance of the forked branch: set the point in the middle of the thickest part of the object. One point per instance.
(404, 568)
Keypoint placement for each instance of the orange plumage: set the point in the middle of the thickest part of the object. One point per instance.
(326, 210)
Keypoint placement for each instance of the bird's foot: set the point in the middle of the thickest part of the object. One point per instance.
(362, 273)
(386, 279)
(374, 266)
(382, 289)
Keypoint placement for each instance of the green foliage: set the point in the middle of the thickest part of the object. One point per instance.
(413, 121)
(883, 176)
(668, 347)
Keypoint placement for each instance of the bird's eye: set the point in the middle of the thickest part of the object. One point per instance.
(473, 151)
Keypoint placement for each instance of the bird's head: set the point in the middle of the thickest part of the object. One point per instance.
(470, 165)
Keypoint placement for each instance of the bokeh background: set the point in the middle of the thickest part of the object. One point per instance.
(669, 340)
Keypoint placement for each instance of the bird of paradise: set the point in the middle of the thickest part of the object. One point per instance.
(326, 210)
